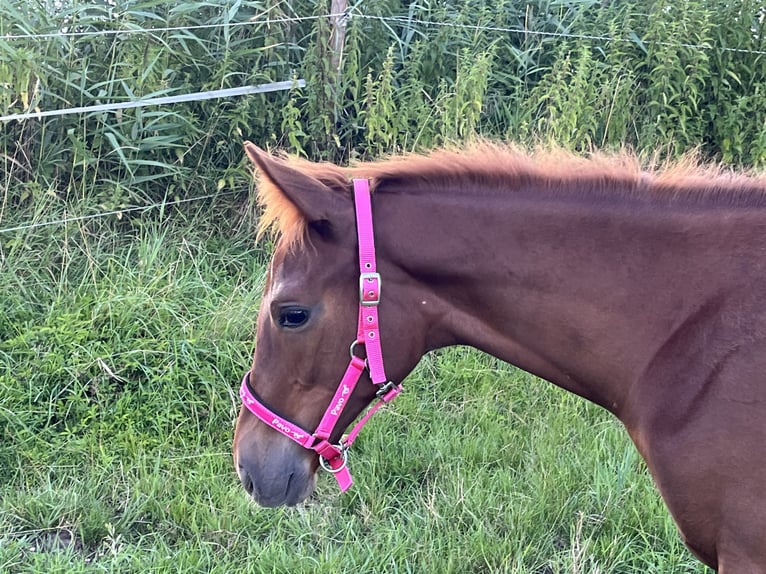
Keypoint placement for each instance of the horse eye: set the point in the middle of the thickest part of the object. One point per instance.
(292, 317)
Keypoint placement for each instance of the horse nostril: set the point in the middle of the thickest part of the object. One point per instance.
(244, 477)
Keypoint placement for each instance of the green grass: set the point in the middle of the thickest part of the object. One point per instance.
(122, 342)
(121, 346)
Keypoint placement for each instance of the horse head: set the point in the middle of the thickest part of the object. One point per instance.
(307, 327)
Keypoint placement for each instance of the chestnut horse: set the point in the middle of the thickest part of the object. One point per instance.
(642, 291)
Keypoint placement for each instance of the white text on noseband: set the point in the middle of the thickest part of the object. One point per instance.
(335, 411)
(276, 423)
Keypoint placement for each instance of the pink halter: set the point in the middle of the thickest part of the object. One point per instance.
(334, 458)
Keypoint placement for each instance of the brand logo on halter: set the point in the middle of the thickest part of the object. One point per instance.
(335, 411)
(276, 423)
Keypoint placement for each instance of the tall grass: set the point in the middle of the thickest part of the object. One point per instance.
(119, 359)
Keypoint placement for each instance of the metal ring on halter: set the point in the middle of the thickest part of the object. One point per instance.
(326, 465)
(351, 350)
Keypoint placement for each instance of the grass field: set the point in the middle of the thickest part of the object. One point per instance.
(121, 348)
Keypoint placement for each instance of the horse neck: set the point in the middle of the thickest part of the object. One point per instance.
(580, 295)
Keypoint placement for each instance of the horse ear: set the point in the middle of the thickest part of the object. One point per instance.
(313, 199)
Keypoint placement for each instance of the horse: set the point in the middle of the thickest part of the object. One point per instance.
(640, 289)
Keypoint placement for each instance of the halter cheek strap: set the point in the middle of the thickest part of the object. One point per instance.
(334, 458)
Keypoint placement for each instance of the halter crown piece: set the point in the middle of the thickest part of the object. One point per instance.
(334, 457)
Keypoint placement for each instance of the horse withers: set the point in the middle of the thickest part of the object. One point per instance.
(642, 291)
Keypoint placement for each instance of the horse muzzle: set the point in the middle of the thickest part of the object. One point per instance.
(279, 477)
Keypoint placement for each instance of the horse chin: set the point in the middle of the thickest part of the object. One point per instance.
(295, 491)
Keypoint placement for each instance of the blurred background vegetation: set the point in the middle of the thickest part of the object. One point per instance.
(656, 75)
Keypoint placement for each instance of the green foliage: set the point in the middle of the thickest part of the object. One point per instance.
(146, 154)
(737, 116)
(677, 75)
(121, 338)
(414, 75)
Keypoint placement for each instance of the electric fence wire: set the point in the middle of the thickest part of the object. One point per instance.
(255, 21)
(570, 36)
(117, 212)
(401, 20)
(164, 100)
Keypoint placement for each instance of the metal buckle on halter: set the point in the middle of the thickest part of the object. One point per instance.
(388, 391)
(325, 464)
(368, 297)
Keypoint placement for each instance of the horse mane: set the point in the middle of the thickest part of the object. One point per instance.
(491, 166)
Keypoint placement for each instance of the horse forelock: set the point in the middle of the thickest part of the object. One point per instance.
(279, 215)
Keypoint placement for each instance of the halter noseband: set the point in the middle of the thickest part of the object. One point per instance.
(333, 458)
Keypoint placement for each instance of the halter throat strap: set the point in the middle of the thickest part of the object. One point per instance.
(334, 457)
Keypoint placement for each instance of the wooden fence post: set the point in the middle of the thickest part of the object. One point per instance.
(337, 36)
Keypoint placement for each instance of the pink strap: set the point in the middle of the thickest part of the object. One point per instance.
(389, 396)
(368, 331)
(287, 428)
(334, 455)
(340, 400)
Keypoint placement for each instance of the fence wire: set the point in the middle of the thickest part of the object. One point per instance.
(116, 212)
(524, 31)
(193, 97)
(257, 21)
(399, 20)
